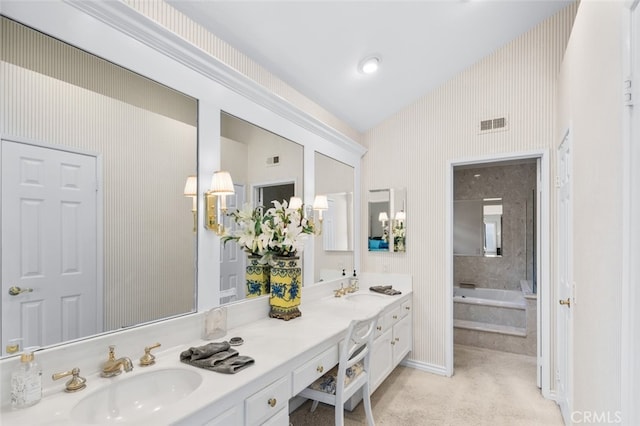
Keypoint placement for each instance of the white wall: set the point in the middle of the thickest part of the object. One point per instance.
(412, 149)
(590, 103)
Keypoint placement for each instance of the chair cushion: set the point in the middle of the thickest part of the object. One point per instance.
(327, 383)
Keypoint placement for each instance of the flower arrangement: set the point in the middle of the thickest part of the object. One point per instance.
(279, 231)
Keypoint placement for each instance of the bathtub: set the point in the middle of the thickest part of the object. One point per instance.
(490, 297)
(490, 310)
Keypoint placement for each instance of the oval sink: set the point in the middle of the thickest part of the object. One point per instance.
(365, 297)
(131, 399)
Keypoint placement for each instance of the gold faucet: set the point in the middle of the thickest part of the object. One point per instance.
(147, 358)
(113, 367)
(76, 382)
(341, 291)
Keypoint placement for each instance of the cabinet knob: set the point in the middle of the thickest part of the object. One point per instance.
(393, 342)
(408, 308)
(320, 369)
(395, 317)
(272, 402)
(379, 328)
(397, 339)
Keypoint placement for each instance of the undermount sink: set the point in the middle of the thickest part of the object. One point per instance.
(131, 399)
(364, 297)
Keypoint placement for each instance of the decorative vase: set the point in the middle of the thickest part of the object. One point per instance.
(257, 277)
(286, 285)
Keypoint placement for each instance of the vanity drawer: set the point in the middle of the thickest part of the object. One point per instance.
(393, 316)
(269, 401)
(305, 375)
(405, 308)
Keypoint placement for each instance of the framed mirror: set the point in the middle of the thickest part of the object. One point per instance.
(127, 246)
(379, 211)
(264, 167)
(387, 218)
(477, 227)
(333, 249)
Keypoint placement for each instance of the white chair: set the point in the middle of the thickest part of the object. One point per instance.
(351, 373)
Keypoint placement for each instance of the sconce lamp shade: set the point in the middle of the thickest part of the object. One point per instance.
(295, 203)
(191, 187)
(401, 216)
(383, 217)
(221, 184)
(321, 203)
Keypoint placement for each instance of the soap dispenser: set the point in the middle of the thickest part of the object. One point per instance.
(26, 382)
(353, 281)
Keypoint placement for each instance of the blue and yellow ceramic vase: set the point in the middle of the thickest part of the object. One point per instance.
(257, 277)
(286, 285)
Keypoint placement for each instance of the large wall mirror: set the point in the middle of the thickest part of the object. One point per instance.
(97, 234)
(333, 251)
(264, 167)
(387, 220)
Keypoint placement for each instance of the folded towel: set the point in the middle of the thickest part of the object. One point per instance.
(213, 360)
(233, 365)
(205, 351)
(385, 289)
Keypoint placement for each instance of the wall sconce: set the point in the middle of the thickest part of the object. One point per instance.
(401, 216)
(320, 203)
(295, 203)
(384, 218)
(191, 190)
(221, 186)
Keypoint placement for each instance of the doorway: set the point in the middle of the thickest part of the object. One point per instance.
(50, 279)
(538, 253)
(265, 194)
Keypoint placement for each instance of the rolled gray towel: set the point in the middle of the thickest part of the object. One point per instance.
(385, 289)
(215, 359)
(205, 351)
(233, 365)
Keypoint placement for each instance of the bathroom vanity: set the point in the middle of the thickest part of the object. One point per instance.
(289, 355)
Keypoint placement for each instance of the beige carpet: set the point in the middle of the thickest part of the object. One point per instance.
(488, 388)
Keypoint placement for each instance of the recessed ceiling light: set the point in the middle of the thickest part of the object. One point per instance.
(369, 65)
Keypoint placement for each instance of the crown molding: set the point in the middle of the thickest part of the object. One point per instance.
(127, 20)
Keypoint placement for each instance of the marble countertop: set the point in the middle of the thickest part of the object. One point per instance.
(276, 345)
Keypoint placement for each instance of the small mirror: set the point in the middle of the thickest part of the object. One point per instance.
(387, 220)
(379, 211)
(492, 220)
(477, 227)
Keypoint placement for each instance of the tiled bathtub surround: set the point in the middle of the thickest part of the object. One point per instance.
(502, 320)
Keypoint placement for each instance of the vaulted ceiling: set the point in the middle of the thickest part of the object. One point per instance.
(315, 46)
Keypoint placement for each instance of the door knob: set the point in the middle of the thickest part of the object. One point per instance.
(14, 291)
(566, 302)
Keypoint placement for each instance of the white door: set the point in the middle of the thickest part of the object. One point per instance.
(565, 280)
(233, 259)
(49, 245)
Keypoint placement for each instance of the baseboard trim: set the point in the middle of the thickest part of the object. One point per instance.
(424, 366)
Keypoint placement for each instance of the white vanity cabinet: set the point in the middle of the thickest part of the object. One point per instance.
(268, 405)
(232, 416)
(393, 341)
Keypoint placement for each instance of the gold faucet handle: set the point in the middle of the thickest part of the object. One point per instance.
(148, 359)
(76, 382)
(112, 352)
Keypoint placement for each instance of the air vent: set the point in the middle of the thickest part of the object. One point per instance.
(273, 161)
(493, 125)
